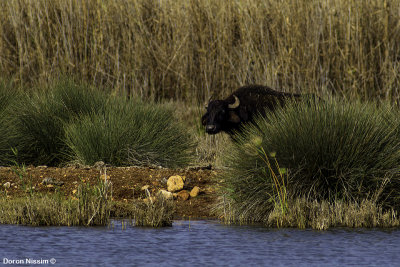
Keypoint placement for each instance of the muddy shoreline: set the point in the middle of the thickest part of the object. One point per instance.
(127, 184)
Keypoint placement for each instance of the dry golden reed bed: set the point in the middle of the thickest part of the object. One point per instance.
(193, 49)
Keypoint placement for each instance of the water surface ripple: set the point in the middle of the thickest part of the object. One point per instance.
(199, 243)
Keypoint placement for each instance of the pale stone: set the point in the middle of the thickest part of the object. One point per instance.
(175, 183)
(183, 195)
(51, 181)
(195, 192)
(47, 180)
(167, 195)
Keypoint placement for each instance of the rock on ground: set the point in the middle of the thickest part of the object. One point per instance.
(167, 195)
(195, 192)
(183, 195)
(175, 183)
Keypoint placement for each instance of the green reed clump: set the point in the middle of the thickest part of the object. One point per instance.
(154, 212)
(129, 133)
(92, 206)
(332, 151)
(94, 203)
(8, 95)
(322, 215)
(71, 121)
(39, 119)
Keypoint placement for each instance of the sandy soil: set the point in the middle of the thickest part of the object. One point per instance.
(127, 184)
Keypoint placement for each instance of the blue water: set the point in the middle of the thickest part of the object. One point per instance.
(197, 243)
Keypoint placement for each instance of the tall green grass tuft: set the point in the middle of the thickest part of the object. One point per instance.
(321, 215)
(92, 206)
(129, 133)
(332, 151)
(73, 122)
(8, 95)
(39, 119)
(153, 213)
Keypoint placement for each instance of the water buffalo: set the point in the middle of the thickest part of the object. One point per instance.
(241, 106)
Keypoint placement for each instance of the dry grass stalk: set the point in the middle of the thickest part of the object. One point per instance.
(192, 50)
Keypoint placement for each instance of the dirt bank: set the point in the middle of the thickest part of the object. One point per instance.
(127, 184)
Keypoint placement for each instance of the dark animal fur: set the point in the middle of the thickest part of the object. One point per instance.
(254, 99)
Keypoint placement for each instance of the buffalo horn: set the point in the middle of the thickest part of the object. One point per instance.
(235, 104)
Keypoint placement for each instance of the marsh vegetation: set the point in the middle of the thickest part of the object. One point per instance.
(143, 69)
(69, 122)
(191, 50)
(89, 205)
(318, 154)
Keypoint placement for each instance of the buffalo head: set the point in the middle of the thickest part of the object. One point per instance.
(221, 115)
(240, 108)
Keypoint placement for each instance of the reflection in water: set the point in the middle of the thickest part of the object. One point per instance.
(199, 243)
